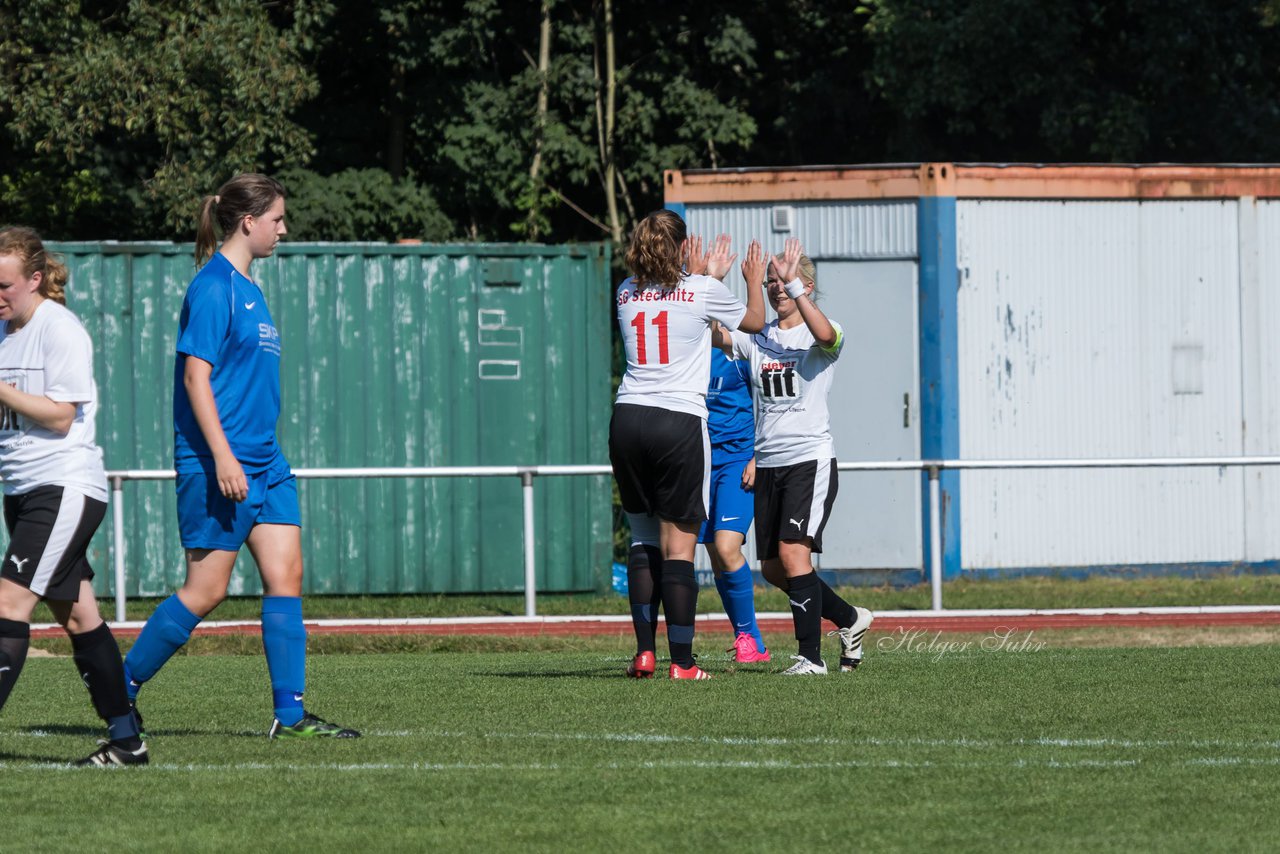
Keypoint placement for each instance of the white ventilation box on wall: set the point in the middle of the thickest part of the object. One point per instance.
(783, 218)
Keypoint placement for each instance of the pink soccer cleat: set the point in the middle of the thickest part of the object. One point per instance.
(745, 650)
(642, 666)
(695, 672)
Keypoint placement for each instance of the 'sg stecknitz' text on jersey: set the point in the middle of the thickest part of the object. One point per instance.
(669, 295)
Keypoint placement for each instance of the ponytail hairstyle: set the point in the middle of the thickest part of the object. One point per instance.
(655, 255)
(808, 274)
(248, 194)
(25, 243)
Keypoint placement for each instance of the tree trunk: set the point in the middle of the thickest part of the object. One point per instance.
(544, 85)
(610, 168)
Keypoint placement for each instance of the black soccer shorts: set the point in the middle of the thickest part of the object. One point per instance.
(49, 532)
(662, 462)
(793, 502)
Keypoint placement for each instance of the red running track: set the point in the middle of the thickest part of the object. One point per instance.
(886, 622)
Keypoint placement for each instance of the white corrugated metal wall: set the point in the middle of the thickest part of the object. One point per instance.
(1103, 329)
(864, 231)
(1260, 332)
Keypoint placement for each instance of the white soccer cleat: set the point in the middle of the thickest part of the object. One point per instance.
(805, 667)
(851, 639)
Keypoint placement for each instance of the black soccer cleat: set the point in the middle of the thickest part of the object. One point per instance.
(109, 754)
(310, 727)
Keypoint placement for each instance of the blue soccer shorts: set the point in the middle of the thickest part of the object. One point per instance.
(731, 505)
(209, 520)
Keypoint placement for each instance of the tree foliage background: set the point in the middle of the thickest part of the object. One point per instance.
(553, 119)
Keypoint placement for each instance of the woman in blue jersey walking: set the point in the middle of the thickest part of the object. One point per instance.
(234, 484)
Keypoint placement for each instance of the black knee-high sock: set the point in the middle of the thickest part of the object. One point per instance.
(15, 637)
(97, 658)
(680, 600)
(805, 595)
(644, 590)
(835, 609)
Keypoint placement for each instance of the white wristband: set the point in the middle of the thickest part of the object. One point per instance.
(794, 288)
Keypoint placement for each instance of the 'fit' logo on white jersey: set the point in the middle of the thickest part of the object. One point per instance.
(778, 379)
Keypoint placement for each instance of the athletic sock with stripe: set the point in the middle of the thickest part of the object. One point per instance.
(805, 595)
(284, 640)
(737, 592)
(15, 638)
(680, 601)
(835, 609)
(644, 591)
(164, 634)
(97, 658)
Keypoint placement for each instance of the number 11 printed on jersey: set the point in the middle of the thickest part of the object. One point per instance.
(660, 321)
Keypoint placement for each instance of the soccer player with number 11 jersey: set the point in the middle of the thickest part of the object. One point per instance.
(658, 442)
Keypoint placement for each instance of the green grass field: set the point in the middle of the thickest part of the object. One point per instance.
(1046, 592)
(1062, 743)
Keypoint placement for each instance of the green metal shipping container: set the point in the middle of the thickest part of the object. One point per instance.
(417, 355)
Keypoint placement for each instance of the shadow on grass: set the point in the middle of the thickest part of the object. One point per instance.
(63, 729)
(152, 732)
(34, 759)
(583, 673)
(616, 672)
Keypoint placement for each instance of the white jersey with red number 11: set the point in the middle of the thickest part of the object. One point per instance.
(666, 333)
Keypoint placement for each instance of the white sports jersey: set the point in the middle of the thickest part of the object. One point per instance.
(51, 356)
(790, 378)
(666, 333)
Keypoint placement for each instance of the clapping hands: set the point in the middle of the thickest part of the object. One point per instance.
(787, 266)
(719, 261)
(754, 265)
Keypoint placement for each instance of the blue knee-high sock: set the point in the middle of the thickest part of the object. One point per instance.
(725, 583)
(164, 634)
(738, 594)
(284, 640)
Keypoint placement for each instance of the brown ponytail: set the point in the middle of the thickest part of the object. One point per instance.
(654, 255)
(206, 237)
(26, 244)
(245, 195)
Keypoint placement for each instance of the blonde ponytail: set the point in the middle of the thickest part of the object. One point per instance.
(25, 244)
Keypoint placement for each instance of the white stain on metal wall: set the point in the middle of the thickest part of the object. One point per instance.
(1099, 329)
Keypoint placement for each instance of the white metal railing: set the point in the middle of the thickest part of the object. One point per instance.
(527, 474)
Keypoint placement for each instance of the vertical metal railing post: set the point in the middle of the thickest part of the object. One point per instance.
(935, 538)
(530, 570)
(117, 524)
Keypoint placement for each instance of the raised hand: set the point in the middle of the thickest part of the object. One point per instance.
(787, 265)
(695, 260)
(719, 261)
(753, 267)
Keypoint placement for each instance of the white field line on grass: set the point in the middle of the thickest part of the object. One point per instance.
(772, 741)
(708, 617)
(967, 743)
(658, 764)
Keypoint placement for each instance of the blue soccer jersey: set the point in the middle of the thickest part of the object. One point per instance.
(226, 323)
(730, 420)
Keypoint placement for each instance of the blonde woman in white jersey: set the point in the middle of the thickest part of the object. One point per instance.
(55, 487)
(792, 362)
(658, 442)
